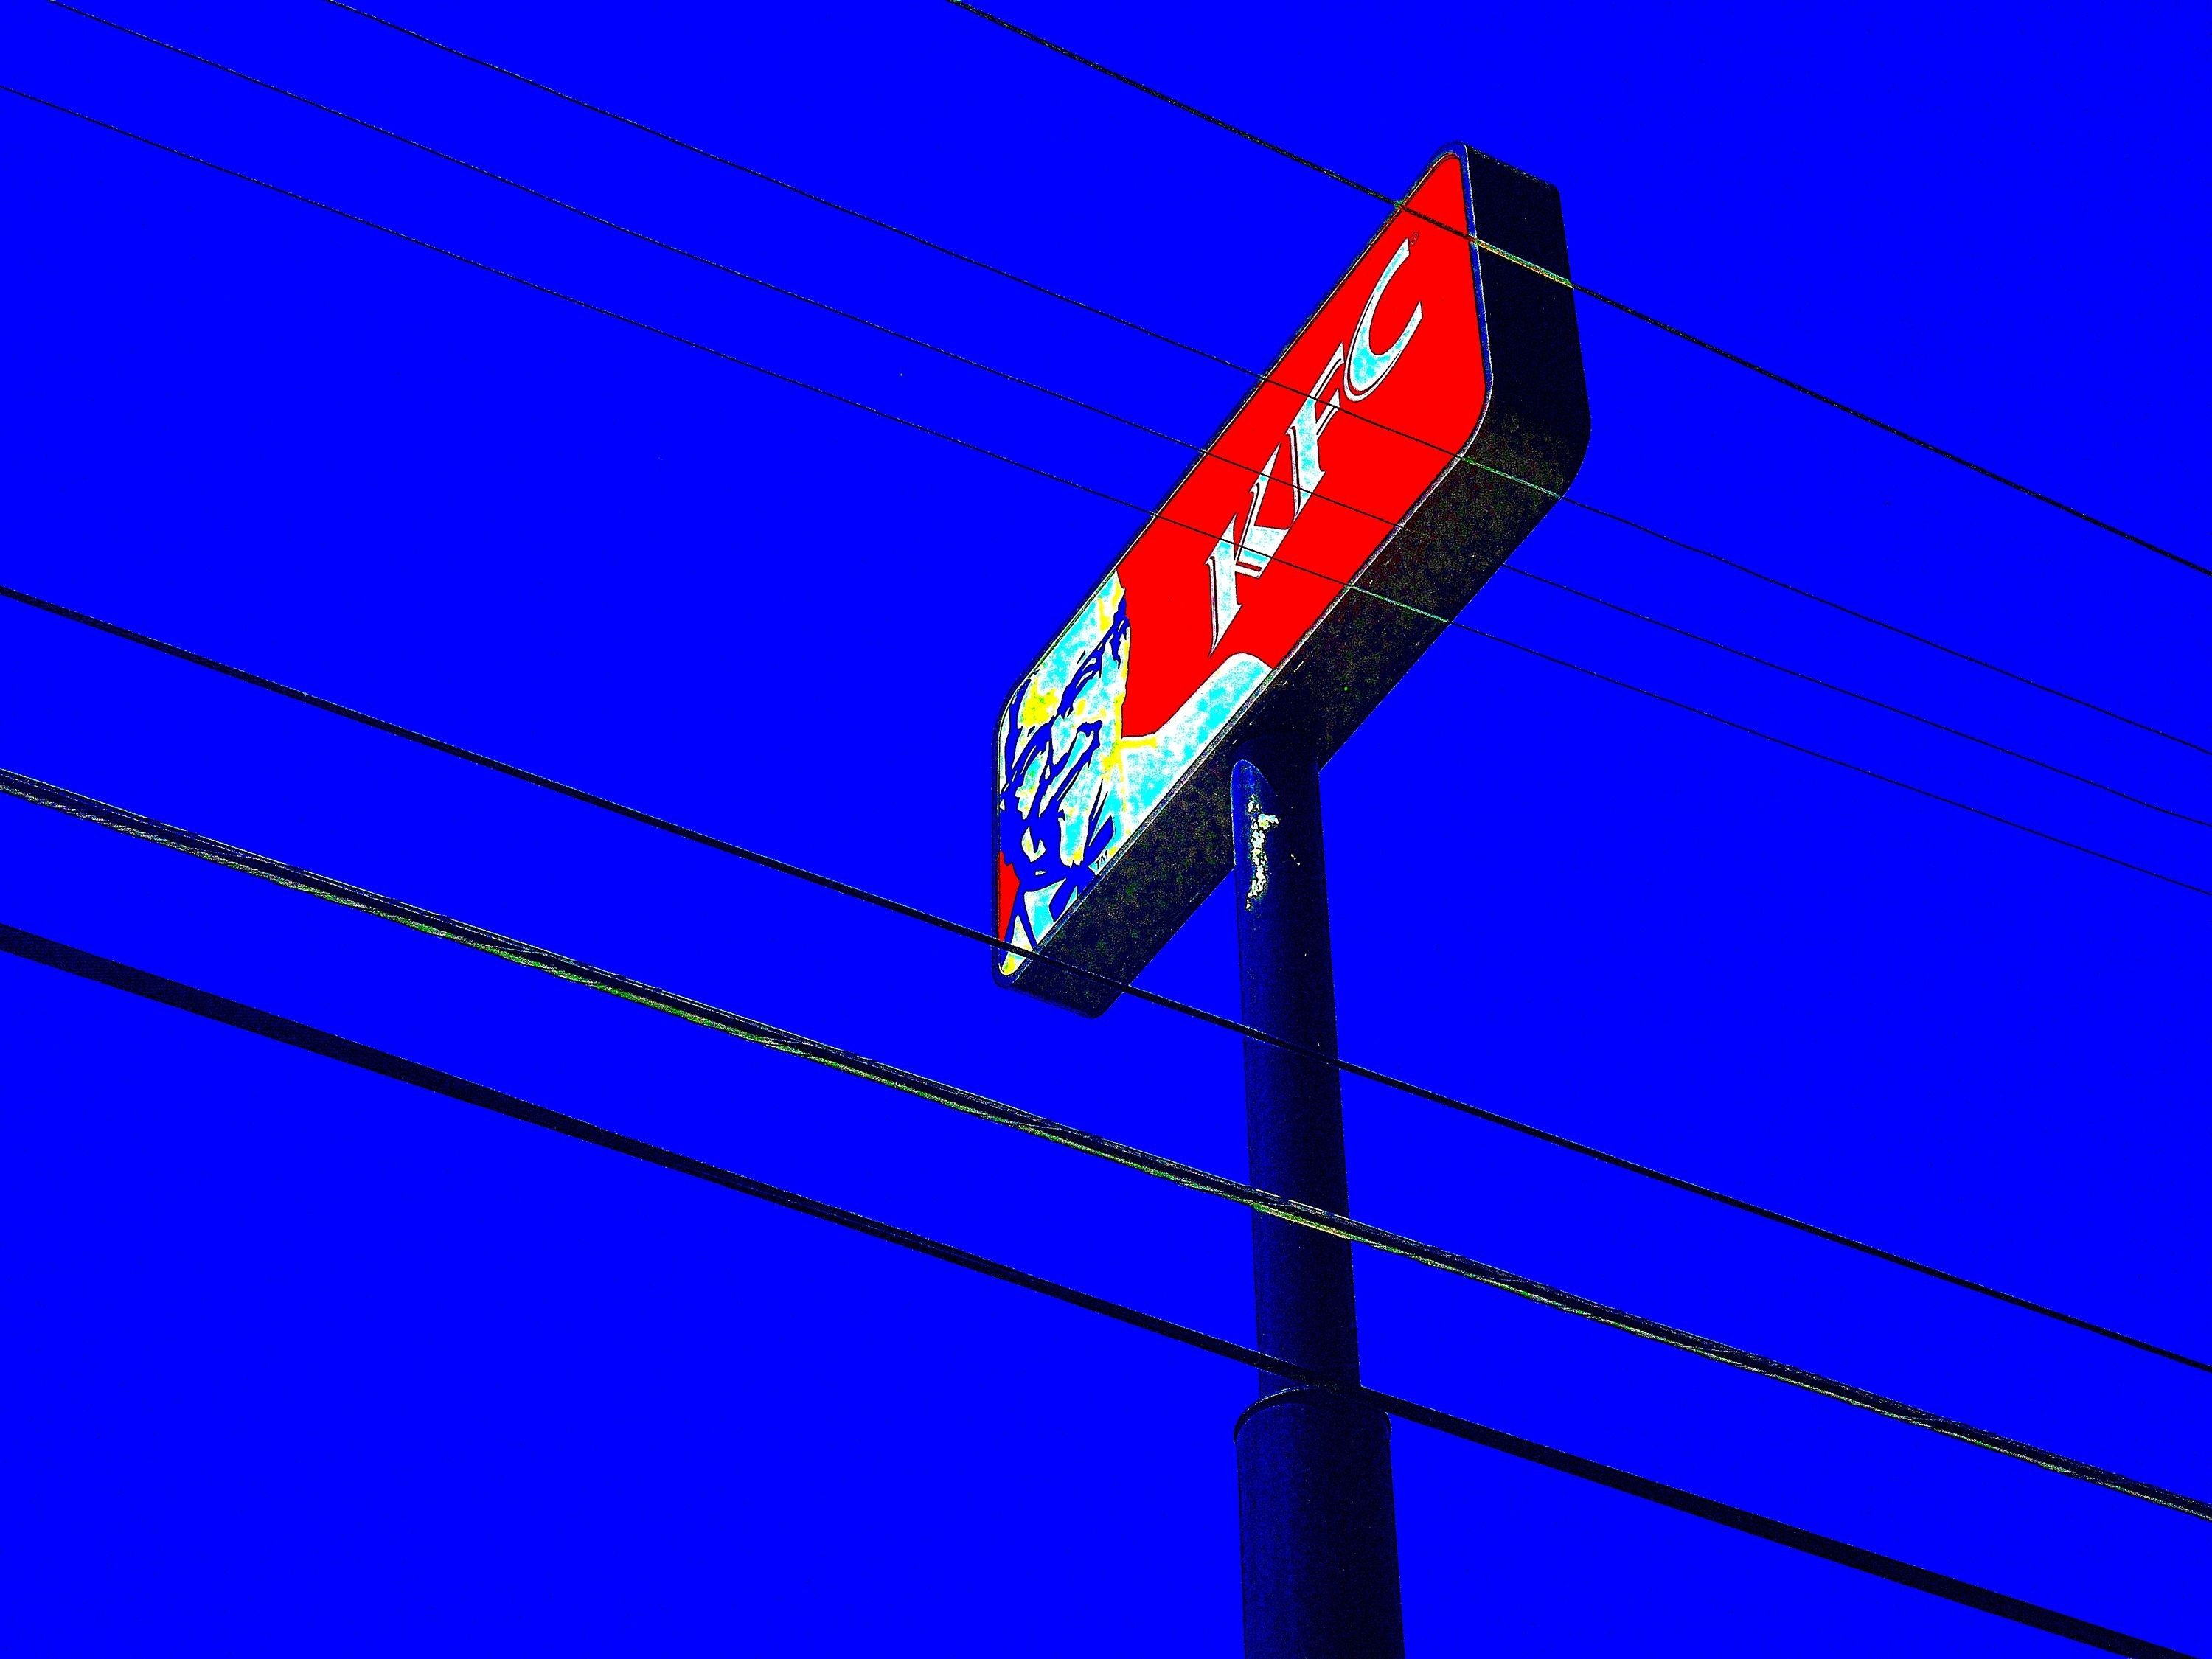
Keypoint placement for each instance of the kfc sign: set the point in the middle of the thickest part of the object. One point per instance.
(1406, 440)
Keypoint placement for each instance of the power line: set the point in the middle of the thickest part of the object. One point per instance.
(261, 1023)
(1103, 413)
(1201, 352)
(1846, 691)
(1564, 281)
(798, 191)
(795, 294)
(647, 237)
(971, 1103)
(1502, 1121)
(1887, 626)
(1832, 760)
(823, 306)
(824, 393)
(1201, 450)
(566, 298)
(960, 930)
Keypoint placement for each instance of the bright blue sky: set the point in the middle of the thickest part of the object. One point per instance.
(307, 1361)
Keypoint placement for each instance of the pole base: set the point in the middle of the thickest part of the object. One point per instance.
(1320, 1539)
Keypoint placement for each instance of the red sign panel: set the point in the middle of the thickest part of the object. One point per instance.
(1376, 396)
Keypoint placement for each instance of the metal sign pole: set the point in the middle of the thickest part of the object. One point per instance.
(1320, 1542)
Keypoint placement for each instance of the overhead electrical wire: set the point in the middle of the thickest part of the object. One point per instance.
(1441, 620)
(1201, 352)
(799, 191)
(1501, 1120)
(1872, 621)
(1203, 450)
(262, 1022)
(646, 237)
(1857, 696)
(1587, 292)
(960, 930)
(1313, 1218)
(778, 288)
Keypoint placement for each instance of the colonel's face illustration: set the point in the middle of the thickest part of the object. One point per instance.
(1058, 806)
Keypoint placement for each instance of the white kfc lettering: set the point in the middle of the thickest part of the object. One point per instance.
(1364, 372)
(1363, 368)
(1306, 428)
